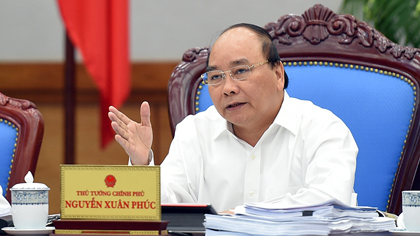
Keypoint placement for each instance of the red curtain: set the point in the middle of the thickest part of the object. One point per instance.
(100, 30)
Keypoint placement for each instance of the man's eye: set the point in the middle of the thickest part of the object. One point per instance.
(240, 71)
(215, 77)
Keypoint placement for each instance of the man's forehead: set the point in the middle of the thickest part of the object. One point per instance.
(240, 61)
(237, 46)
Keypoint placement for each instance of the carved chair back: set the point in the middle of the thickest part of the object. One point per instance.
(21, 133)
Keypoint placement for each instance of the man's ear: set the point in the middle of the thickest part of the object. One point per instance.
(279, 70)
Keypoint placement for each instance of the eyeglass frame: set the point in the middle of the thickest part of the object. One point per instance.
(230, 72)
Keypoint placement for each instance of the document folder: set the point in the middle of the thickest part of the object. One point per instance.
(186, 218)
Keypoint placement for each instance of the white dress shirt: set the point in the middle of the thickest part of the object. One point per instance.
(306, 156)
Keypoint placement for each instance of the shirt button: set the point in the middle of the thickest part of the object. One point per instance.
(253, 157)
(251, 193)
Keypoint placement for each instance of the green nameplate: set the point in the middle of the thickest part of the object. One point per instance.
(116, 192)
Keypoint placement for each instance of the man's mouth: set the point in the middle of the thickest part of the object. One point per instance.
(234, 105)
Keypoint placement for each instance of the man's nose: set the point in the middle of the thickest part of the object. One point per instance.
(229, 86)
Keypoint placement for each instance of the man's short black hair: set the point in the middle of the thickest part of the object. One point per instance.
(268, 47)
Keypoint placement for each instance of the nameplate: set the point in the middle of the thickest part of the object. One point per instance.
(116, 192)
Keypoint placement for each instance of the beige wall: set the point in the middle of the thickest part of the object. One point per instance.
(160, 29)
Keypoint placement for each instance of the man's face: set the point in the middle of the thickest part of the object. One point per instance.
(254, 102)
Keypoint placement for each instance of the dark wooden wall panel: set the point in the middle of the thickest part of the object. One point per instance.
(43, 84)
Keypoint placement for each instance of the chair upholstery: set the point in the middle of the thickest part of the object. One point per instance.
(350, 68)
(21, 133)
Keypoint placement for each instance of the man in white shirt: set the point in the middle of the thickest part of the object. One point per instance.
(256, 143)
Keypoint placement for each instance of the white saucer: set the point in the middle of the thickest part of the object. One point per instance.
(14, 231)
(405, 233)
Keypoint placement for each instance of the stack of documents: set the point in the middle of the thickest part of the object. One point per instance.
(328, 218)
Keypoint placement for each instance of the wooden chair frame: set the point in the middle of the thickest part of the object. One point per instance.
(29, 122)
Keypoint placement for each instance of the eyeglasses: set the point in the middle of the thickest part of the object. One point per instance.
(241, 72)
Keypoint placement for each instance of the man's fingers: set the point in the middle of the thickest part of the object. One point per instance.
(119, 130)
(117, 122)
(121, 141)
(145, 114)
(121, 116)
(113, 117)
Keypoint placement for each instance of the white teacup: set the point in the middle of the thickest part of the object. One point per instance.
(411, 210)
(29, 204)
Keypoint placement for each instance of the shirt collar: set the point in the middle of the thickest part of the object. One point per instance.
(225, 128)
(286, 117)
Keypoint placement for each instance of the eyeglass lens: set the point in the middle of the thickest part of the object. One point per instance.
(237, 73)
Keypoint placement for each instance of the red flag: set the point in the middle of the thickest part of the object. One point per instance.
(99, 29)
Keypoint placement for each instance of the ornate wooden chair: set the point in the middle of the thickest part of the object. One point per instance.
(350, 68)
(21, 133)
